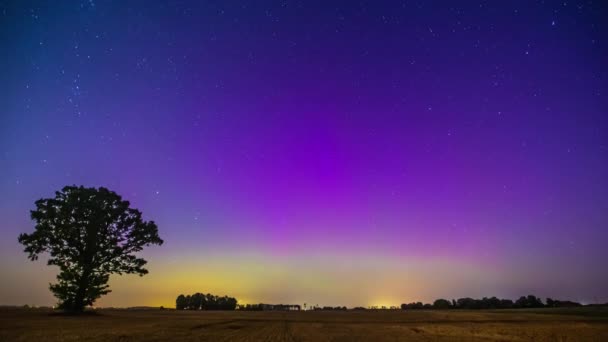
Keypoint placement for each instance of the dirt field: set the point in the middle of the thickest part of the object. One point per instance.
(586, 324)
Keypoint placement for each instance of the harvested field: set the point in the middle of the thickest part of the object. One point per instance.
(577, 324)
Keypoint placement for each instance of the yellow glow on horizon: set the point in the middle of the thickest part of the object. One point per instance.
(327, 280)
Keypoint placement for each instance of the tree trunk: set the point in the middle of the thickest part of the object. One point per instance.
(83, 283)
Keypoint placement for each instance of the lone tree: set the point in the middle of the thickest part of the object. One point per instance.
(89, 234)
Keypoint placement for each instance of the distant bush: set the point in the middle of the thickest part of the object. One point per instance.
(561, 303)
(412, 306)
(333, 308)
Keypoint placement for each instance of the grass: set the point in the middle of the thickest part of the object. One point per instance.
(576, 324)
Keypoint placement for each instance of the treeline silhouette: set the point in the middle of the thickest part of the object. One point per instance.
(201, 301)
(270, 307)
(467, 303)
(288, 307)
(329, 308)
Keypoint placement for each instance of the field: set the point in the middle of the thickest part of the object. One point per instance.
(577, 324)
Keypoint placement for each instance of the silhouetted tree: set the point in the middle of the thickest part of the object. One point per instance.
(209, 301)
(522, 302)
(489, 303)
(467, 303)
(442, 304)
(535, 302)
(196, 301)
(188, 302)
(529, 302)
(181, 303)
(89, 233)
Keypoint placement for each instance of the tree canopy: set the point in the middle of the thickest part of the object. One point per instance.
(89, 233)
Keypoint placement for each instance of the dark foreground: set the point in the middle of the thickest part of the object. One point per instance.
(577, 324)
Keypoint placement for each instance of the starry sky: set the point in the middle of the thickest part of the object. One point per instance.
(331, 152)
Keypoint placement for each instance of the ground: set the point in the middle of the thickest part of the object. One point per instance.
(576, 324)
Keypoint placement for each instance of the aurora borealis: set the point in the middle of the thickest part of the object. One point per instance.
(339, 153)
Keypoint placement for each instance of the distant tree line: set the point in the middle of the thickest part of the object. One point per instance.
(562, 303)
(201, 301)
(270, 307)
(329, 308)
(529, 301)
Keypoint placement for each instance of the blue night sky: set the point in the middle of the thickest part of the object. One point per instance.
(341, 153)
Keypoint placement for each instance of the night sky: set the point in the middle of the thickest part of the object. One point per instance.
(333, 153)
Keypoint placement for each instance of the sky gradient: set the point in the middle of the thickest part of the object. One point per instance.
(333, 153)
